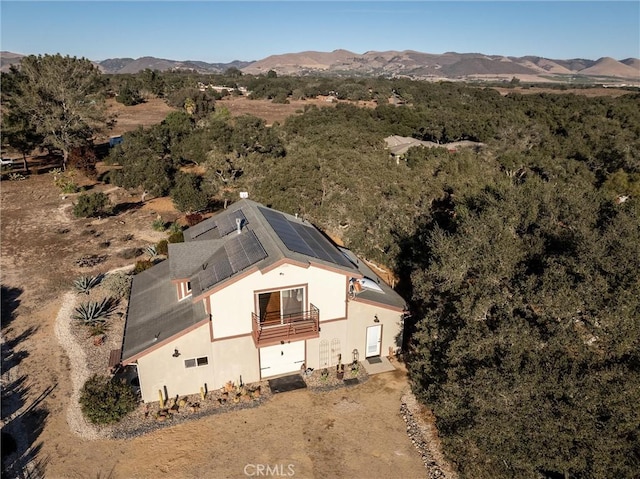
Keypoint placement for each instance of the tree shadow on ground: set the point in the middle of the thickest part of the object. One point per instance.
(21, 425)
(20, 452)
(123, 207)
(10, 301)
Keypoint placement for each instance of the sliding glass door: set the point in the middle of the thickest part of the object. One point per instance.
(278, 307)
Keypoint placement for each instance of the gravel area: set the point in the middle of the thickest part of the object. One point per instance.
(64, 330)
(317, 381)
(423, 437)
(150, 416)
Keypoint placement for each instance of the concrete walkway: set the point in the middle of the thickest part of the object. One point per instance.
(378, 367)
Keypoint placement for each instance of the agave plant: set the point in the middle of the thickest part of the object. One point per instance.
(91, 313)
(152, 251)
(85, 283)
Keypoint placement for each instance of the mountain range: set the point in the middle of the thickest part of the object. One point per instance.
(407, 63)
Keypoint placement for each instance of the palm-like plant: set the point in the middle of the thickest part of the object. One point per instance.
(85, 283)
(93, 312)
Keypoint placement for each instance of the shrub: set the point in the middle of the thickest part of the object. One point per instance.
(93, 204)
(129, 96)
(174, 228)
(162, 247)
(142, 265)
(130, 253)
(158, 225)
(177, 237)
(64, 181)
(118, 284)
(105, 401)
(84, 159)
(194, 218)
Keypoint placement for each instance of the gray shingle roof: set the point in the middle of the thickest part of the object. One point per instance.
(154, 313)
(185, 260)
(214, 253)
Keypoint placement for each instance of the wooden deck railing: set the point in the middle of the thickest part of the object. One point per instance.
(273, 329)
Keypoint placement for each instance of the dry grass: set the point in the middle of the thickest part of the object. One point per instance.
(588, 92)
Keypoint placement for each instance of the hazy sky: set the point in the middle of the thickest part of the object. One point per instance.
(241, 30)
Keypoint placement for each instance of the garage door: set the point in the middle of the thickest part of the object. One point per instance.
(281, 359)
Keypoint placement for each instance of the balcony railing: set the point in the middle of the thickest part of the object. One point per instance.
(275, 328)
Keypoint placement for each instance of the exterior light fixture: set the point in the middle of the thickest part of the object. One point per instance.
(176, 353)
(375, 319)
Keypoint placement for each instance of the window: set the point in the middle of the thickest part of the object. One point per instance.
(277, 306)
(192, 363)
(188, 287)
(203, 361)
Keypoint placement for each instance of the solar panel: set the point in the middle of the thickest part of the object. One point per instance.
(226, 223)
(320, 245)
(238, 253)
(303, 239)
(200, 229)
(215, 270)
(244, 250)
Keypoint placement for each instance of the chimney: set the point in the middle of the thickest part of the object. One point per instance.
(239, 224)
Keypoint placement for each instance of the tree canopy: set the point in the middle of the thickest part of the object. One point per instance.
(61, 99)
(520, 259)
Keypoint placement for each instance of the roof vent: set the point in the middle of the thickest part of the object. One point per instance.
(239, 224)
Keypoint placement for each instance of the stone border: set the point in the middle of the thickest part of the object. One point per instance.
(421, 434)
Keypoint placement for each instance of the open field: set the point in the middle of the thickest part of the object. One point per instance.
(129, 118)
(588, 92)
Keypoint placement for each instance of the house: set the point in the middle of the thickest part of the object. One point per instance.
(399, 145)
(254, 293)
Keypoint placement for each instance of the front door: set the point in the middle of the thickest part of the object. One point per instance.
(374, 340)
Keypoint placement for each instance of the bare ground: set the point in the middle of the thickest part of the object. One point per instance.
(588, 92)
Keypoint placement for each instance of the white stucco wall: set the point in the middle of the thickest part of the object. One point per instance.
(159, 369)
(233, 358)
(330, 332)
(236, 356)
(231, 307)
(362, 315)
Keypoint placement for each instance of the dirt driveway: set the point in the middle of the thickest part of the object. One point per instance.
(356, 432)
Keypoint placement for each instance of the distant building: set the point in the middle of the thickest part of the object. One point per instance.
(115, 140)
(399, 145)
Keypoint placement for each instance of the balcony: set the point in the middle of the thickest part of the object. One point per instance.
(277, 328)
